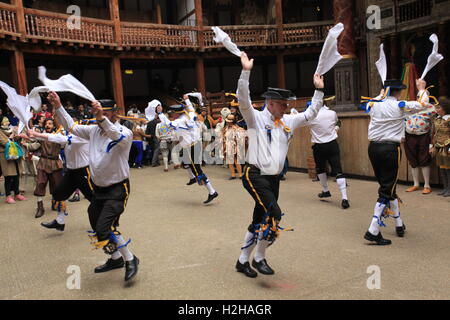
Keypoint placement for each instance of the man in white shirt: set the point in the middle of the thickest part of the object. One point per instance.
(76, 175)
(326, 149)
(269, 134)
(109, 147)
(386, 131)
(187, 132)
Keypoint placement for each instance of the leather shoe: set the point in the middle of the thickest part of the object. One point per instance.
(53, 225)
(211, 197)
(110, 265)
(263, 267)
(40, 209)
(246, 269)
(325, 194)
(345, 204)
(131, 268)
(400, 231)
(378, 239)
(191, 182)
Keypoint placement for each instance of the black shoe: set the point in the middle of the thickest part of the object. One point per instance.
(263, 267)
(345, 204)
(379, 240)
(131, 268)
(283, 178)
(400, 231)
(232, 178)
(40, 209)
(246, 269)
(191, 182)
(325, 195)
(110, 265)
(53, 225)
(211, 197)
(75, 198)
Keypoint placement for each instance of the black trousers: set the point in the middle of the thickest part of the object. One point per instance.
(192, 158)
(265, 191)
(106, 207)
(71, 181)
(328, 152)
(385, 159)
(12, 185)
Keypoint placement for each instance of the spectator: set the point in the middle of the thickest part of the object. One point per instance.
(233, 146)
(154, 143)
(138, 137)
(11, 169)
(441, 143)
(164, 134)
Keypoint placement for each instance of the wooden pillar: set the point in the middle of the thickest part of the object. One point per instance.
(199, 21)
(19, 77)
(280, 71)
(443, 68)
(115, 17)
(158, 14)
(394, 63)
(21, 28)
(200, 72)
(117, 84)
(279, 20)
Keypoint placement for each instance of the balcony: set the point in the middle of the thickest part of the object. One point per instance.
(52, 27)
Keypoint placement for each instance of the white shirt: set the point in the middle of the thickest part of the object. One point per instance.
(109, 148)
(268, 143)
(323, 128)
(387, 119)
(186, 129)
(76, 149)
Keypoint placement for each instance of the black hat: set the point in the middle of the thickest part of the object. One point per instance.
(177, 108)
(108, 105)
(394, 84)
(279, 94)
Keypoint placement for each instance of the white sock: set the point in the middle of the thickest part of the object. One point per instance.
(60, 218)
(323, 181)
(116, 255)
(124, 251)
(210, 188)
(40, 199)
(260, 252)
(247, 251)
(374, 226)
(426, 176)
(166, 162)
(342, 183)
(190, 173)
(396, 209)
(415, 174)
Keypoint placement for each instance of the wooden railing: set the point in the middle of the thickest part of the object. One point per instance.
(414, 10)
(54, 26)
(258, 35)
(8, 20)
(50, 26)
(158, 35)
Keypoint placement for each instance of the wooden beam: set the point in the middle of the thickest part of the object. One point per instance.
(117, 84)
(19, 76)
(199, 22)
(115, 17)
(280, 71)
(200, 72)
(279, 19)
(21, 28)
(158, 14)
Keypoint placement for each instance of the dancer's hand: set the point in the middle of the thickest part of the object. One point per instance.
(54, 99)
(97, 110)
(421, 84)
(247, 64)
(382, 93)
(318, 81)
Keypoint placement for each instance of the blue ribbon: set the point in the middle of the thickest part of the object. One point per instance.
(114, 143)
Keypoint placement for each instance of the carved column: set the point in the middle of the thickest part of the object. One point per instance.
(346, 71)
(199, 21)
(200, 71)
(115, 17)
(117, 84)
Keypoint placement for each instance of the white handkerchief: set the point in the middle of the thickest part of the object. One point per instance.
(382, 64)
(197, 95)
(224, 38)
(34, 99)
(150, 111)
(17, 103)
(434, 57)
(66, 83)
(330, 55)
